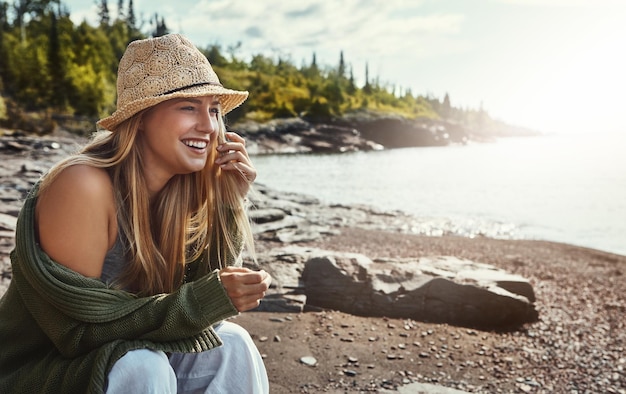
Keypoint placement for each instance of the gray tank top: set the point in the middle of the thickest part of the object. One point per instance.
(114, 262)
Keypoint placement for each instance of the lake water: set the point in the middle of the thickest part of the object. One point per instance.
(565, 188)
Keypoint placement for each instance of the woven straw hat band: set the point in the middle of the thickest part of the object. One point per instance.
(158, 69)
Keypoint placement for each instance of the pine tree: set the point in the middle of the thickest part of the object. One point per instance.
(446, 108)
(367, 88)
(103, 13)
(160, 28)
(120, 10)
(55, 67)
(4, 17)
(351, 84)
(131, 20)
(342, 66)
(4, 27)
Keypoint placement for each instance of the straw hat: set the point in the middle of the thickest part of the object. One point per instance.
(158, 69)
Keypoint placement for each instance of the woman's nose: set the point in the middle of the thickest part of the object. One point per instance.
(207, 122)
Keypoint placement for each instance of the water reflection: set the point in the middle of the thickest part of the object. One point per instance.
(562, 188)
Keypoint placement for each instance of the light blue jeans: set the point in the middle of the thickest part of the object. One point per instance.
(235, 367)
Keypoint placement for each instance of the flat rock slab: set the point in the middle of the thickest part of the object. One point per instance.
(438, 289)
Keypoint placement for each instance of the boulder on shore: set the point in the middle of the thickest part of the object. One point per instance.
(437, 289)
(440, 289)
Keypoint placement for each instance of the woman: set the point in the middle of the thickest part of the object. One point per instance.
(126, 258)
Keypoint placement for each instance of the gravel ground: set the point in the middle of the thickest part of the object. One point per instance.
(577, 346)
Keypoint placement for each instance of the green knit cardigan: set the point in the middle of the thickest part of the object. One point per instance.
(61, 332)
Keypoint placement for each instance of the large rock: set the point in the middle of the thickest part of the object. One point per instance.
(437, 289)
(296, 135)
(285, 265)
(395, 131)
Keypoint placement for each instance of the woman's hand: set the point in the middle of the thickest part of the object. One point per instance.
(234, 157)
(245, 287)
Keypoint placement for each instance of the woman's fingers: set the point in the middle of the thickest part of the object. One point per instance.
(234, 157)
(246, 303)
(234, 137)
(247, 172)
(245, 287)
(234, 143)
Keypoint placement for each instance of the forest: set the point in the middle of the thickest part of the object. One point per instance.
(52, 69)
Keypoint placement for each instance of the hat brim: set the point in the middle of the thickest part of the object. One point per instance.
(229, 100)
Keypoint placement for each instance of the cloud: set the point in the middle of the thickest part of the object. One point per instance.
(254, 32)
(364, 28)
(311, 9)
(563, 3)
(89, 14)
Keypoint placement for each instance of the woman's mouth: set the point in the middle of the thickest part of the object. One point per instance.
(196, 144)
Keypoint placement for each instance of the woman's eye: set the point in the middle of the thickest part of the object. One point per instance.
(215, 111)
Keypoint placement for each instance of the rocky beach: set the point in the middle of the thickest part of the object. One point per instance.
(521, 316)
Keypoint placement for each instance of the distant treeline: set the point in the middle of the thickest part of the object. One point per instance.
(49, 65)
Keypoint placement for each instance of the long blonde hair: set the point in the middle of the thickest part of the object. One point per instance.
(192, 212)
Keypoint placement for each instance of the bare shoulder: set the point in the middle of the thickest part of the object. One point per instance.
(76, 220)
(76, 187)
(83, 179)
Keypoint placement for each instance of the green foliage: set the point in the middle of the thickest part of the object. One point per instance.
(48, 63)
(3, 110)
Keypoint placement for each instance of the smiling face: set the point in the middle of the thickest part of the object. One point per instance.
(175, 138)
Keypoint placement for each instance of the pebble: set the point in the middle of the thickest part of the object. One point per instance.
(309, 361)
(577, 346)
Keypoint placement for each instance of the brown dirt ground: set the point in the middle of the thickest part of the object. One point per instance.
(577, 346)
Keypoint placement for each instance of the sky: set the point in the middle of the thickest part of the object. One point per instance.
(557, 66)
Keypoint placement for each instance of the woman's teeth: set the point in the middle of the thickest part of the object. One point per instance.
(196, 144)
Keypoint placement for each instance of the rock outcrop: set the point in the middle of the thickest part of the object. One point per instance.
(296, 135)
(439, 289)
(359, 131)
(398, 132)
(435, 288)
(364, 131)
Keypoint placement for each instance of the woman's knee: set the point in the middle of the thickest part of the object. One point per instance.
(148, 370)
(234, 334)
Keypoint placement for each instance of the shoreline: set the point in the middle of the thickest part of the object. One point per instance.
(578, 344)
(556, 202)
